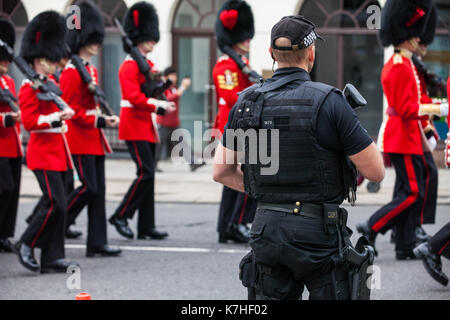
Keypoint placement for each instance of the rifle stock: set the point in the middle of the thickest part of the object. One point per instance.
(7, 97)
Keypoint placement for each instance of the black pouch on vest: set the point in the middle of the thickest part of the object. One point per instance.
(248, 112)
(330, 217)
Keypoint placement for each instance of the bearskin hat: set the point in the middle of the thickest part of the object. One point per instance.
(234, 23)
(141, 23)
(44, 37)
(403, 20)
(7, 35)
(430, 29)
(92, 29)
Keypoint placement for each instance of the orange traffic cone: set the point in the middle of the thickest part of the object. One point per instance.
(83, 296)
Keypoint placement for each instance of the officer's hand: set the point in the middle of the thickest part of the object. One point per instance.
(112, 121)
(67, 113)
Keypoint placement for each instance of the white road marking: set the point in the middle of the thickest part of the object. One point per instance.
(165, 249)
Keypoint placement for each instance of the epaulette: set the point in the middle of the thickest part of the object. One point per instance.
(223, 58)
(69, 66)
(397, 59)
(26, 81)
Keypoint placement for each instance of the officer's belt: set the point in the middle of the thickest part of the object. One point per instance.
(304, 209)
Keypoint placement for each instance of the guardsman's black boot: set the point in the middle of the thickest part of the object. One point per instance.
(432, 263)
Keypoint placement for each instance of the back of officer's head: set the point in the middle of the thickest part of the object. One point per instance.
(292, 42)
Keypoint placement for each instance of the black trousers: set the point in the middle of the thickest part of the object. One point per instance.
(10, 173)
(47, 225)
(141, 194)
(294, 251)
(91, 170)
(428, 212)
(440, 242)
(401, 214)
(235, 208)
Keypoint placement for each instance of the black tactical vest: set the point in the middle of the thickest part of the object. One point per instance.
(307, 172)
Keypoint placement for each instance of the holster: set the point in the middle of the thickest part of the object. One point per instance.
(359, 259)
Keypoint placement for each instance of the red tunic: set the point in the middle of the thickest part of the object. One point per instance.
(83, 135)
(402, 133)
(137, 113)
(171, 120)
(425, 99)
(47, 147)
(10, 142)
(229, 80)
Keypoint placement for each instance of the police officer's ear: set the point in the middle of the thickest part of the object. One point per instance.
(273, 58)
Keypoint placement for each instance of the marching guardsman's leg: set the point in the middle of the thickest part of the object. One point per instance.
(429, 210)
(146, 218)
(403, 208)
(10, 142)
(46, 229)
(10, 173)
(431, 252)
(230, 211)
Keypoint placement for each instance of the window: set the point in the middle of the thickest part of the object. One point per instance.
(351, 53)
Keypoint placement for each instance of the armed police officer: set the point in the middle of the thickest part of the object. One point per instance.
(298, 232)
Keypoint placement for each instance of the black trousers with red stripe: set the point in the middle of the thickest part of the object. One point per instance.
(47, 224)
(91, 171)
(440, 242)
(402, 212)
(10, 173)
(235, 208)
(141, 194)
(428, 212)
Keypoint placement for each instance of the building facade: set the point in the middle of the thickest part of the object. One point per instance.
(351, 53)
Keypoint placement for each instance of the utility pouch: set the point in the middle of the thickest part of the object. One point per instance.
(330, 218)
(249, 110)
(247, 270)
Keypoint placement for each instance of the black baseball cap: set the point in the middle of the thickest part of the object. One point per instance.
(297, 29)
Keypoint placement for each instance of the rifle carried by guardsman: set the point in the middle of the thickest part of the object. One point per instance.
(7, 97)
(96, 91)
(48, 90)
(154, 86)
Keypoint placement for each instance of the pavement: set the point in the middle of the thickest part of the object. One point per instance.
(190, 263)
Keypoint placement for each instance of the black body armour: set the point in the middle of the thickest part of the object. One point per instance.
(307, 171)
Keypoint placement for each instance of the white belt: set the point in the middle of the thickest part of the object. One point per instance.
(62, 129)
(125, 104)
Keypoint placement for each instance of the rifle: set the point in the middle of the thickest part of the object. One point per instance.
(98, 94)
(252, 75)
(48, 91)
(7, 97)
(435, 84)
(153, 87)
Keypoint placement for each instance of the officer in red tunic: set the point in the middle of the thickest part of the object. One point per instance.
(138, 125)
(85, 136)
(402, 137)
(234, 28)
(48, 155)
(10, 144)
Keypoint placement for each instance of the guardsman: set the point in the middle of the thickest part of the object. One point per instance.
(87, 141)
(234, 28)
(138, 125)
(402, 136)
(10, 144)
(48, 154)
